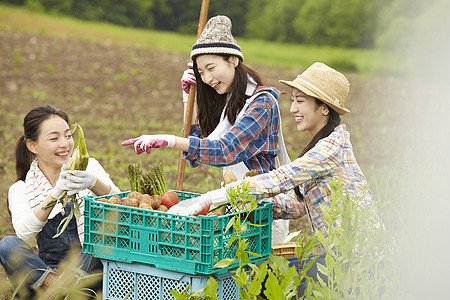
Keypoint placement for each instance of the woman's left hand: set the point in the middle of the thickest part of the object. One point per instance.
(77, 181)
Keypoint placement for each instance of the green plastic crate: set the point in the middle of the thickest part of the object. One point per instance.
(172, 242)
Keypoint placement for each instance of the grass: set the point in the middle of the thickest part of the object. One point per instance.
(364, 61)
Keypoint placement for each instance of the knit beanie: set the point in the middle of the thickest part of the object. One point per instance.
(216, 38)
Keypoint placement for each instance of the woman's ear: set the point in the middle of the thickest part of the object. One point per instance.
(234, 60)
(325, 110)
(31, 145)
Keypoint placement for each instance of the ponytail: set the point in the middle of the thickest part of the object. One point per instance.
(333, 121)
(24, 157)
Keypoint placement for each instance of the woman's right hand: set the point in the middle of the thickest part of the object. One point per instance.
(61, 185)
(187, 80)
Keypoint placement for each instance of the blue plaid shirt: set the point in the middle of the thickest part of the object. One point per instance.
(252, 140)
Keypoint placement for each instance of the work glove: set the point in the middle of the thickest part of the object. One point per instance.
(78, 181)
(187, 79)
(145, 143)
(192, 206)
(61, 185)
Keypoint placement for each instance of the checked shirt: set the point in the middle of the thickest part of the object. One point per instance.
(252, 140)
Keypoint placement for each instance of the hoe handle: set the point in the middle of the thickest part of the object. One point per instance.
(191, 100)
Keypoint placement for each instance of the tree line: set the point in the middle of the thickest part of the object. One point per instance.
(342, 23)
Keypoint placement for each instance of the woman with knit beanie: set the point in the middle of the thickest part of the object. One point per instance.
(238, 125)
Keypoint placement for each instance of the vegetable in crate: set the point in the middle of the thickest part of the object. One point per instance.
(169, 199)
(78, 161)
(152, 182)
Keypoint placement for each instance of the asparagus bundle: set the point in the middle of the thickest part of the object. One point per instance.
(134, 175)
(152, 182)
(78, 161)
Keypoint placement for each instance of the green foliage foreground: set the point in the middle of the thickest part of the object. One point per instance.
(358, 255)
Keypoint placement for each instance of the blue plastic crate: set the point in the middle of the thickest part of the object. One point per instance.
(143, 282)
(173, 242)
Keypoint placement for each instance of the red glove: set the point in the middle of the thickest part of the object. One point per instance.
(187, 79)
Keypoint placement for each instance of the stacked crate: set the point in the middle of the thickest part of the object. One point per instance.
(145, 250)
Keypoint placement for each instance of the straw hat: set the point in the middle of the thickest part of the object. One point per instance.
(324, 83)
(216, 38)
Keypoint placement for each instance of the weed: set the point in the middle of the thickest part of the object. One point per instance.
(357, 248)
(122, 77)
(50, 68)
(89, 89)
(281, 281)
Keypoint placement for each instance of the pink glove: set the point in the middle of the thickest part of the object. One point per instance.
(187, 79)
(145, 143)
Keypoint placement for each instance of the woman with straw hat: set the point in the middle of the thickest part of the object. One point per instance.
(318, 99)
(238, 126)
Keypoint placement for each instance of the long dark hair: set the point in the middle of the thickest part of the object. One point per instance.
(31, 130)
(333, 121)
(211, 104)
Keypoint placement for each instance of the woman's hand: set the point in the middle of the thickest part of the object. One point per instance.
(61, 185)
(192, 206)
(145, 143)
(78, 181)
(187, 80)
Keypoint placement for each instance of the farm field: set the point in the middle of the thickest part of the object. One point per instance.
(117, 91)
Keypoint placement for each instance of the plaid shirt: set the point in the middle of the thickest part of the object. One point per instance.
(331, 157)
(252, 140)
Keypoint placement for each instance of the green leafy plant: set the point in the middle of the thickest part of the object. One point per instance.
(209, 292)
(357, 250)
(281, 281)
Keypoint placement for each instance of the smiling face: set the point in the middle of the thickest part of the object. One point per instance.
(54, 145)
(308, 115)
(217, 72)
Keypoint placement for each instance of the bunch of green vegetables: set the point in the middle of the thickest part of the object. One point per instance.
(152, 182)
(78, 161)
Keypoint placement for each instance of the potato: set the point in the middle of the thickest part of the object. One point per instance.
(162, 208)
(228, 177)
(133, 194)
(115, 199)
(102, 200)
(145, 198)
(145, 205)
(133, 202)
(251, 173)
(156, 201)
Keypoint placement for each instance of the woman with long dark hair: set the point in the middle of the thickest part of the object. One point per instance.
(41, 154)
